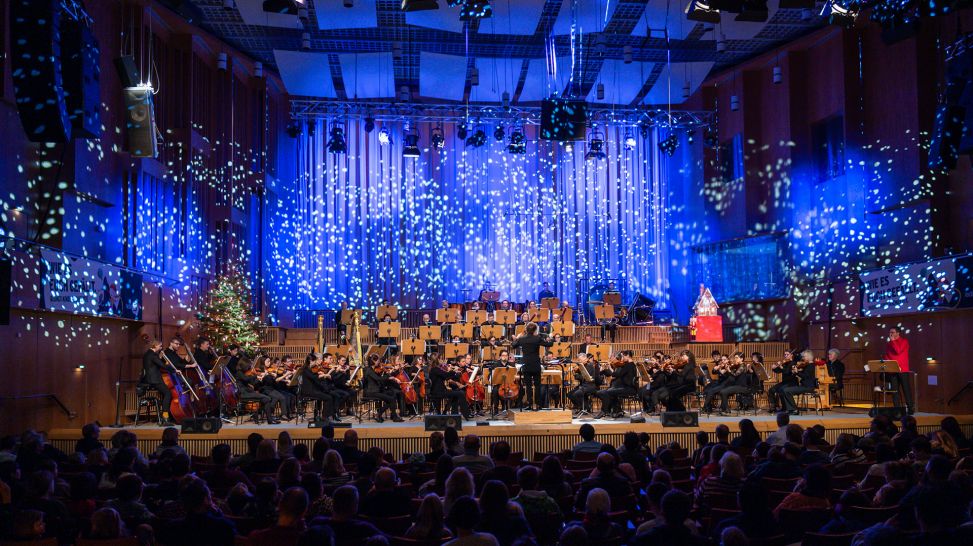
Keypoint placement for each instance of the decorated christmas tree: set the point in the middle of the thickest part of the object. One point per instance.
(226, 318)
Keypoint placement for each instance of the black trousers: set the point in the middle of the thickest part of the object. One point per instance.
(386, 401)
(580, 394)
(727, 392)
(321, 398)
(610, 329)
(456, 401)
(265, 406)
(609, 398)
(902, 382)
(710, 392)
(775, 395)
(673, 400)
(165, 397)
(787, 394)
(340, 397)
(651, 396)
(531, 383)
(277, 398)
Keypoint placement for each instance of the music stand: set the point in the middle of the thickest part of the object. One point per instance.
(506, 317)
(567, 314)
(604, 312)
(463, 330)
(389, 329)
(489, 353)
(553, 377)
(389, 310)
(412, 347)
(563, 329)
(500, 376)
(519, 329)
(476, 317)
(539, 315)
(550, 303)
(447, 315)
(453, 350)
(379, 350)
(492, 330)
(877, 370)
(338, 350)
(347, 315)
(600, 352)
(761, 371)
(560, 350)
(430, 333)
(612, 298)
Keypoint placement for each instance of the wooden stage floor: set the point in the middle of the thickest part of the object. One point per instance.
(835, 421)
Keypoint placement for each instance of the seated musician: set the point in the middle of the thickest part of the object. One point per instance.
(586, 386)
(787, 379)
(378, 387)
(681, 381)
(387, 319)
(247, 389)
(504, 360)
(316, 387)
(545, 292)
(204, 354)
(337, 381)
(807, 381)
(447, 329)
(267, 385)
(152, 369)
(505, 305)
(657, 385)
(172, 354)
(739, 382)
(623, 383)
(712, 390)
(445, 385)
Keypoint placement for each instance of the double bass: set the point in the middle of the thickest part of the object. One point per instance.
(183, 395)
(224, 381)
(207, 401)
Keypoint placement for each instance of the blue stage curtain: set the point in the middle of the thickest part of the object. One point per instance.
(370, 224)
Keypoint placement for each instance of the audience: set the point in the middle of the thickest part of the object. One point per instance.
(170, 498)
(779, 437)
(587, 443)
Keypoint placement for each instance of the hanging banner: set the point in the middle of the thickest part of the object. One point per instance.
(919, 287)
(86, 287)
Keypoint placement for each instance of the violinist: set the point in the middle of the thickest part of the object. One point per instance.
(153, 366)
(739, 381)
(530, 345)
(247, 385)
(231, 364)
(680, 382)
(807, 381)
(313, 385)
(500, 362)
(267, 384)
(339, 381)
(656, 388)
(204, 354)
(624, 382)
(580, 395)
(785, 368)
(722, 370)
(377, 387)
(446, 385)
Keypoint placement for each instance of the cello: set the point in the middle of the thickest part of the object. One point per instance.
(183, 395)
(224, 381)
(474, 387)
(207, 402)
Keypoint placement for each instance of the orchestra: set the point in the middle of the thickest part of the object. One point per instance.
(500, 371)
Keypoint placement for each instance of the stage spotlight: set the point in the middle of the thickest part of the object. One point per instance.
(711, 137)
(475, 9)
(369, 124)
(419, 5)
(839, 12)
(437, 138)
(596, 146)
(337, 144)
(462, 131)
(630, 142)
(384, 137)
(700, 10)
(668, 145)
(293, 130)
(644, 130)
(477, 139)
(517, 142)
(498, 133)
(411, 148)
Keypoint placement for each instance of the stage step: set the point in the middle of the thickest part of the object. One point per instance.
(544, 417)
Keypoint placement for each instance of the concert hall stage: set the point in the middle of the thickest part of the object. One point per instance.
(410, 436)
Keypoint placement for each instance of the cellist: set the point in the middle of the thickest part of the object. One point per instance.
(204, 354)
(153, 366)
(173, 355)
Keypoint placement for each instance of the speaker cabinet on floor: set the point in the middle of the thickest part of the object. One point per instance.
(895, 413)
(202, 425)
(680, 419)
(440, 422)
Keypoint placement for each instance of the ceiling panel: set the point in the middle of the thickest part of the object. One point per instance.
(662, 15)
(252, 13)
(663, 89)
(368, 75)
(305, 73)
(513, 17)
(622, 81)
(442, 76)
(440, 19)
(541, 81)
(332, 14)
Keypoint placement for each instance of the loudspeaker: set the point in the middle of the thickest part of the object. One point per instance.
(895, 413)
(680, 419)
(5, 273)
(35, 61)
(140, 122)
(82, 78)
(440, 422)
(128, 73)
(202, 425)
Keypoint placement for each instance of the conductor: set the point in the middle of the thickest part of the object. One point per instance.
(530, 346)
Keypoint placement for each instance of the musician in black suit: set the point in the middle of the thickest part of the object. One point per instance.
(248, 389)
(586, 387)
(624, 378)
(739, 381)
(807, 381)
(173, 356)
(379, 387)
(234, 351)
(204, 355)
(530, 347)
(787, 379)
(153, 366)
(680, 382)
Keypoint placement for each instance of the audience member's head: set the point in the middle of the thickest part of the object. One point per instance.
(676, 507)
(292, 506)
(587, 432)
(605, 463)
(817, 481)
(129, 488)
(722, 434)
(494, 499)
(459, 483)
(783, 419)
(385, 479)
(500, 451)
(106, 524)
(528, 477)
(345, 502)
(733, 536)
(731, 466)
(464, 515)
(598, 503)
